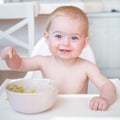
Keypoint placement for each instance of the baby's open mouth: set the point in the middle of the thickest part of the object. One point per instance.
(64, 50)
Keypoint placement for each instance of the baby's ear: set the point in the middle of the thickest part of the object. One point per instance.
(86, 42)
(46, 37)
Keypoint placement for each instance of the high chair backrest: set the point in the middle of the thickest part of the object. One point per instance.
(41, 48)
(25, 11)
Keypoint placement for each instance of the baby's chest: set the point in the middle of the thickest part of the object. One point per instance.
(69, 82)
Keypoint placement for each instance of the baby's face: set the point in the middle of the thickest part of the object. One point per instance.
(65, 37)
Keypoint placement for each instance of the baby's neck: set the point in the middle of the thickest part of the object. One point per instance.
(65, 61)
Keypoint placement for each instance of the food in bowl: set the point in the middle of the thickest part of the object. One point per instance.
(15, 88)
(20, 89)
(32, 95)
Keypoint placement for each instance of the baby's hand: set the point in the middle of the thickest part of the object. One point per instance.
(8, 53)
(99, 103)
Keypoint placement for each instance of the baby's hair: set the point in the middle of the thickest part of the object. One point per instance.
(72, 12)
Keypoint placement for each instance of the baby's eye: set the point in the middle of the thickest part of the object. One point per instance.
(58, 36)
(74, 38)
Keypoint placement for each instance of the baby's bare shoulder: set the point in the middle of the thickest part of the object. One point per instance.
(87, 65)
(85, 62)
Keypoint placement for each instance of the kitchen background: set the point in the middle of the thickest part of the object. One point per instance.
(104, 19)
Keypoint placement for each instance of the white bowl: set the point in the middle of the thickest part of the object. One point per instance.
(41, 100)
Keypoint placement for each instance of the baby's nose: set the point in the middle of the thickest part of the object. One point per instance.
(66, 41)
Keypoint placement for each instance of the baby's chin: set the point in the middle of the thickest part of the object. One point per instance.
(67, 58)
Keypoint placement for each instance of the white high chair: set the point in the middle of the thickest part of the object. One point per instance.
(25, 12)
(41, 48)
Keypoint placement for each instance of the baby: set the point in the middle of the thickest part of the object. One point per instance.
(66, 35)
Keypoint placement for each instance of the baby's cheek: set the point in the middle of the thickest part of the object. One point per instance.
(78, 52)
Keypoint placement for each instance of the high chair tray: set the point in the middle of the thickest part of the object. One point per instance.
(67, 106)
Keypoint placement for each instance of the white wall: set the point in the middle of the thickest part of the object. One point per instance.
(105, 41)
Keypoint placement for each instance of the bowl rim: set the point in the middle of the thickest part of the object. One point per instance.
(54, 88)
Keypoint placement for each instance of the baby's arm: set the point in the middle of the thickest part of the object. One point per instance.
(107, 89)
(15, 62)
(107, 97)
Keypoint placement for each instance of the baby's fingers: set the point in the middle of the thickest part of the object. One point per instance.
(11, 53)
(102, 106)
(98, 103)
(7, 52)
(94, 105)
